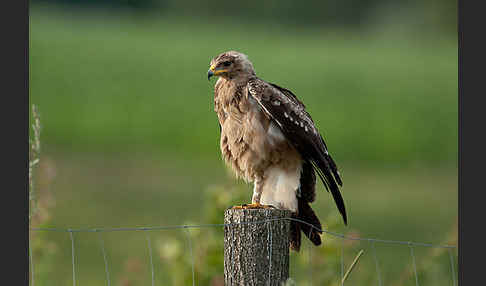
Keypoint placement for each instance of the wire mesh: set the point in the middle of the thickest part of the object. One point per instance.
(186, 228)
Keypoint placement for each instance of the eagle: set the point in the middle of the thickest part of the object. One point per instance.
(270, 140)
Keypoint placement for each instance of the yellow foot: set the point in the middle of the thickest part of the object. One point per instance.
(252, 206)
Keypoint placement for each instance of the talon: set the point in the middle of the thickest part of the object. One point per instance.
(252, 206)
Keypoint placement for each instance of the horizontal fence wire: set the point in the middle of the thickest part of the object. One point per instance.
(152, 228)
(186, 228)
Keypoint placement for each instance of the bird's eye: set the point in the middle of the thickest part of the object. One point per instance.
(227, 63)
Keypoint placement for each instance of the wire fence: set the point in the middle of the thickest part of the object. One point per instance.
(371, 241)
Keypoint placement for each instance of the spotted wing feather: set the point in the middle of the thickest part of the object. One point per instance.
(282, 106)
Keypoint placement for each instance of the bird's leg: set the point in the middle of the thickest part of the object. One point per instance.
(255, 199)
(257, 191)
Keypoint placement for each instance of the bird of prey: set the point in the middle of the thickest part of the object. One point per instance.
(268, 138)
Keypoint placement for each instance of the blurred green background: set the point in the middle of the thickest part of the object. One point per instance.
(129, 136)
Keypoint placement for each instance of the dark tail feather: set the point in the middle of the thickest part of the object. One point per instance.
(295, 237)
(330, 184)
(332, 164)
(307, 215)
(334, 169)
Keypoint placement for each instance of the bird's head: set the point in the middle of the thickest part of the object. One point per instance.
(231, 65)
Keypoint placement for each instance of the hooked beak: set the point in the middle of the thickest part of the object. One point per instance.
(210, 73)
(213, 71)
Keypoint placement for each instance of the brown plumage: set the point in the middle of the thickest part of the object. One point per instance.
(269, 139)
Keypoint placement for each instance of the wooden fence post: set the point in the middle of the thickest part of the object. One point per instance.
(256, 252)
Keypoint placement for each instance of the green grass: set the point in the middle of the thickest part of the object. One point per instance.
(117, 84)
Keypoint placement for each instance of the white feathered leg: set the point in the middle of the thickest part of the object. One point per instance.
(257, 191)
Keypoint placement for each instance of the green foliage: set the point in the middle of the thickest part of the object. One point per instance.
(34, 157)
(311, 266)
(209, 250)
(41, 201)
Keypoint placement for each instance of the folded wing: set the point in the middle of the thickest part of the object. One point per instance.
(283, 107)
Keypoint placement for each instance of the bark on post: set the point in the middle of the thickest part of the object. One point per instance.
(256, 252)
